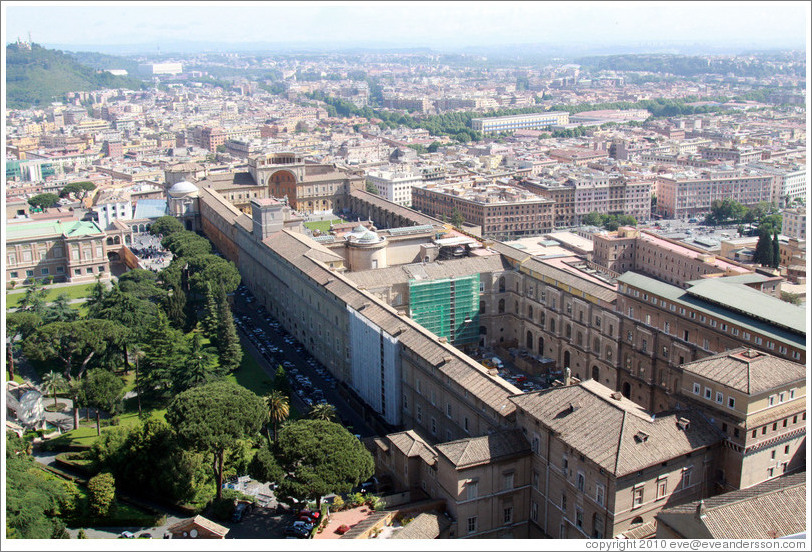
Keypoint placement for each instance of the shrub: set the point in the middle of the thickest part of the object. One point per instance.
(357, 500)
(102, 494)
(337, 505)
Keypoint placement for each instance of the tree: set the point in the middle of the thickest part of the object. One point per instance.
(53, 382)
(142, 284)
(137, 315)
(216, 270)
(175, 306)
(228, 342)
(278, 409)
(60, 310)
(456, 218)
(593, 219)
(166, 226)
(94, 300)
(43, 201)
(101, 491)
(162, 358)
(776, 251)
(34, 298)
(80, 189)
(371, 188)
(210, 320)
(320, 458)
(280, 380)
(102, 389)
(323, 411)
(792, 298)
(197, 366)
(19, 325)
(433, 147)
(212, 417)
(264, 467)
(764, 251)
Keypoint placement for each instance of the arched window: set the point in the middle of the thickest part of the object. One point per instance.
(608, 353)
(541, 345)
(117, 240)
(566, 359)
(637, 521)
(552, 325)
(596, 373)
(501, 283)
(542, 319)
(530, 312)
(627, 390)
(568, 331)
(109, 241)
(529, 340)
(501, 306)
(482, 307)
(579, 339)
(596, 345)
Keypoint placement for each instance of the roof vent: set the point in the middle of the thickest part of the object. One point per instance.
(617, 396)
(447, 359)
(442, 340)
(574, 406)
(641, 437)
(683, 423)
(751, 353)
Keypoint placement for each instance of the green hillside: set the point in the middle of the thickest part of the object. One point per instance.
(39, 76)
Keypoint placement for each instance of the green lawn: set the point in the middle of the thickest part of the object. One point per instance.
(251, 376)
(322, 225)
(17, 378)
(79, 291)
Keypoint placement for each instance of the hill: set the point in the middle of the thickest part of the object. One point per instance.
(38, 76)
(101, 61)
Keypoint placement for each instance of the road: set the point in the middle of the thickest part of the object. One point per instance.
(288, 352)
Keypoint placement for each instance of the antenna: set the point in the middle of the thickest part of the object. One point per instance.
(29, 37)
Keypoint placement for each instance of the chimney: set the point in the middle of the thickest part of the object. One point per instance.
(567, 377)
(700, 510)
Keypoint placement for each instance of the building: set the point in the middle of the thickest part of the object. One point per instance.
(689, 194)
(197, 527)
(774, 509)
(160, 68)
(67, 251)
(395, 185)
(503, 212)
(793, 223)
(112, 207)
(535, 121)
(671, 261)
(758, 402)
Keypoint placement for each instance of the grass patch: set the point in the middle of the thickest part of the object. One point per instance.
(17, 378)
(50, 407)
(322, 225)
(251, 375)
(79, 291)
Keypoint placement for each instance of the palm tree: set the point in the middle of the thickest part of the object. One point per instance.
(53, 382)
(278, 408)
(323, 411)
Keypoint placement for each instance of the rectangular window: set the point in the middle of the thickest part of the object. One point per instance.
(720, 398)
(508, 515)
(781, 398)
(419, 413)
(465, 424)
(535, 480)
(600, 493)
(472, 524)
(472, 489)
(418, 386)
(89, 270)
(731, 402)
(565, 463)
(433, 425)
(534, 511)
(564, 504)
(686, 477)
(772, 400)
(30, 273)
(581, 481)
(534, 445)
(637, 497)
(405, 402)
(662, 487)
(708, 393)
(44, 271)
(508, 480)
(579, 518)
(448, 410)
(697, 389)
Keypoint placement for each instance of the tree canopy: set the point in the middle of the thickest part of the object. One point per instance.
(319, 458)
(213, 417)
(166, 226)
(43, 201)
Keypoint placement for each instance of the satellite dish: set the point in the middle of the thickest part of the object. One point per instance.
(193, 533)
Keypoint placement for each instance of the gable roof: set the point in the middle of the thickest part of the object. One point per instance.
(615, 433)
(198, 521)
(428, 525)
(775, 508)
(466, 453)
(747, 370)
(412, 445)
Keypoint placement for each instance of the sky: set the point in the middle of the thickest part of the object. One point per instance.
(409, 24)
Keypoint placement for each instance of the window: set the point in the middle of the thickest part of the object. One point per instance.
(780, 395)
(731, 402)
(472, 489)
(697, 389)
(508, 480)
(77, 271)
(686, 477)
(534, 444)
(472, 524)
(662, 487)
(419, 413)
(579, 518)
(708, 393)
(535, 480)
(508, 515)
(433, 397)
(448, 411)
(433, 425)
(30, 273)
(44, 271)
(564, 504)
(637, 497)
(792, 393)
(597, 526)
(720, 398)
(465, 423)
(405, 402)
(534, 511)
(600, 493)
(581, 481)
(13, 275)
(772, 400)
(565, 463)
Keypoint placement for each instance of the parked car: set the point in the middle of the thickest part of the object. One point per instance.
(297, 532)
(126, 535)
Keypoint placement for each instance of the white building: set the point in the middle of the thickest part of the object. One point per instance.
(160, 68)
(114, 208)
(793, 223)
(395, 184)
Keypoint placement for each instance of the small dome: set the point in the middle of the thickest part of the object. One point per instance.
(182, 188)
(360, 229)
(369, 237)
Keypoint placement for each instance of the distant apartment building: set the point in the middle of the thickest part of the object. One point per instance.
(736, 155)
(793, 223)
(112, 208)
(395, 184)
(533, 121)
(577, 156)
(212, 138)
(160, 68)
(689, 194)
(503, 212)
(790, 181)
(421, 105)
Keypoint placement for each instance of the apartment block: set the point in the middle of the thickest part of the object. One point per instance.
(533, 121)
(689, 194)
(395, 185)
(793, 223)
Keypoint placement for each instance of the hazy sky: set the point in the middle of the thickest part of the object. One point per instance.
(415, 23)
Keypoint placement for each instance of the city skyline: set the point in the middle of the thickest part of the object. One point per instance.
(341, 25)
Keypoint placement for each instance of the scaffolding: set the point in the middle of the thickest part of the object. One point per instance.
(447, 307)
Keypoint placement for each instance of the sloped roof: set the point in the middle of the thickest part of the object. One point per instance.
(465, 453)
(428, 525)
(412, 445)
(615, 433)
(747, 370)
(198, 521)
(775, 508)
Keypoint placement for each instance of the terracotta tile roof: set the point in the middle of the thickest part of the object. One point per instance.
(615, 433)
(427, 525)
(412, 445)
(747, 370)
(465, 453)
(775, 508)
(642, 531)
(199, 521)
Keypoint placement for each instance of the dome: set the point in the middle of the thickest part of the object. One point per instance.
(368, 237)
(360, 229)
(182, 188)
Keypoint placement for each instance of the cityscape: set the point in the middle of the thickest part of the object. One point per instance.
(349, 270)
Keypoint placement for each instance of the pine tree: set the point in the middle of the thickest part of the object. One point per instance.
(210, 320)
(776, 251)
(764, 253)
(175, 305)
(228, 343)
(161, 356)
